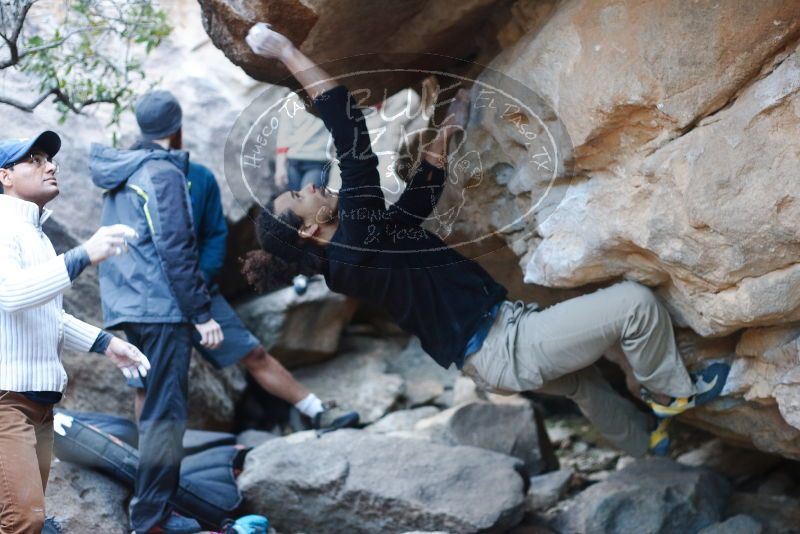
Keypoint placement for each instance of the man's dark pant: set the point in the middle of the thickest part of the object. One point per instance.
(163, 420)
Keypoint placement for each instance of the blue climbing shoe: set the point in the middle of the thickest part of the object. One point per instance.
(708, 385)
(710, 382)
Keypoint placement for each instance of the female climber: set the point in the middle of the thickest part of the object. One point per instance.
(460, 314)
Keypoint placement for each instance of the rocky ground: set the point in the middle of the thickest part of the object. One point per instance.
(438, 455)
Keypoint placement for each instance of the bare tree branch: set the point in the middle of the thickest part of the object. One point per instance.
(23, 106)
(26, 6)
(11, 40)
(77, 107)
(60, 96)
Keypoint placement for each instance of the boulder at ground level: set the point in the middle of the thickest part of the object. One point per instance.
(778, 513)
(654, 495)
(511, 429)
(546, 490)
(82, 500)
(356, 482)
(299, 329)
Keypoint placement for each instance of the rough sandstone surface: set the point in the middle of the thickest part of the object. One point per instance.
(329, 30)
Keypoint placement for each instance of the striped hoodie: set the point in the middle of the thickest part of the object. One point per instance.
(34, 329)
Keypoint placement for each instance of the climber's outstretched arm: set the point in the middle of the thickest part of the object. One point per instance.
(266, 42)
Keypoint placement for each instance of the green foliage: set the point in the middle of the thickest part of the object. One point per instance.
(96, 55)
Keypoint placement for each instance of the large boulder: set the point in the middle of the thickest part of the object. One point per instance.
(626, 74)
(767, 369)
(299, 329)
(512, 429)
(650, 202)
(708, 223)
(759, 408)
(654, 495)
(680, 125)
(679, 117)
(352, 481)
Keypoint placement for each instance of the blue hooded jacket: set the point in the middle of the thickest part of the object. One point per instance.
(159, 280)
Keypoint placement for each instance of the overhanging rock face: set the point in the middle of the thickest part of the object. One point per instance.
(342, 30)
(684, 121)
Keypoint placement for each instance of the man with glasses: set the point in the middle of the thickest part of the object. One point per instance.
(34, 328)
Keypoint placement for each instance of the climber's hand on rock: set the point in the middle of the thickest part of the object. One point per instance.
(266, 42)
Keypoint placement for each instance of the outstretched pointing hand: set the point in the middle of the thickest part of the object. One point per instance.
(266, 42)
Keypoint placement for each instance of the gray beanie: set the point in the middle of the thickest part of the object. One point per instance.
(159, 115)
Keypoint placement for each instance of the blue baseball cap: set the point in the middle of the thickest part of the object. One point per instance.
(12, 150)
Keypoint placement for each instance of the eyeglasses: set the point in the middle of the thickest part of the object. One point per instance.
(38, 160)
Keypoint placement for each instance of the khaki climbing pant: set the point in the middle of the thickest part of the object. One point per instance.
(553, 350)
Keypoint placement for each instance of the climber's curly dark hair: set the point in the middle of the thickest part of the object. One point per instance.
(285, 254)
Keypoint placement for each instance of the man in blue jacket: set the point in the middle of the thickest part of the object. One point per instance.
(168, 286)
(158, 296)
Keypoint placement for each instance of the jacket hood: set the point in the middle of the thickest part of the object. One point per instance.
(112, 167)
